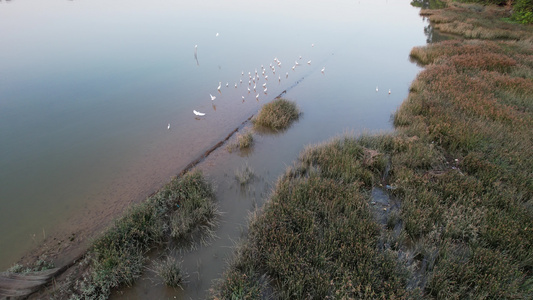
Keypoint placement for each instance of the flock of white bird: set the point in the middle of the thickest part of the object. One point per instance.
(256, 76)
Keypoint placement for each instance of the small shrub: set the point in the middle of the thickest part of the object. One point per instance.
(277, 115)
(523, 11)
(16, 268)
(245, 140)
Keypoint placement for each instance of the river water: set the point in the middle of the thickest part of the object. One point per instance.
(88, 88)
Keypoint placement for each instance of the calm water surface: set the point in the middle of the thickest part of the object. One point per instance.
(87, 89)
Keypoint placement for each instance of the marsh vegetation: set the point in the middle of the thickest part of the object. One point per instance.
(459, 162)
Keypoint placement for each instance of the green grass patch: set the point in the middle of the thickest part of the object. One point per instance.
(42, 264)
(277, 115)
(183, 207)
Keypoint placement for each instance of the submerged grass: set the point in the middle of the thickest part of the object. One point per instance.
(277, 115)
(182, 207)
(460, 163)
(169, 269)
(244, 175)
(244, 141)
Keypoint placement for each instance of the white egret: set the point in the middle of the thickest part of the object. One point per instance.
(240, 81)
(300, 57)
(235, 85)
(198, 113)
(266, 77)
(389, 91)
(287, 75)
(242, 73)
(279, 78)
(309, 62)
(212, 97)
(377, 89)
(293, 67)
(264, 84)
(257, 97)
(219, 85)
(312, 45)
(227, 84)
(323, 69)
(242, 98)
(216, 34)
(168, 127)
(266, 89)
(296, 63)
(248, 90)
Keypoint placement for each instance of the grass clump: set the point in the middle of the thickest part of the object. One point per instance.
(277, 115)
(244, 175)
(182, 207)
(244, 141)
(42, 264)
(169, 269)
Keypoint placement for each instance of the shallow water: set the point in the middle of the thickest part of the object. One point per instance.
(87, 90)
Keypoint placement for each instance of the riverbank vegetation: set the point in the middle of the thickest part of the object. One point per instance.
(476, 21)
(459, 164)
(520, 11)
(181, 211)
